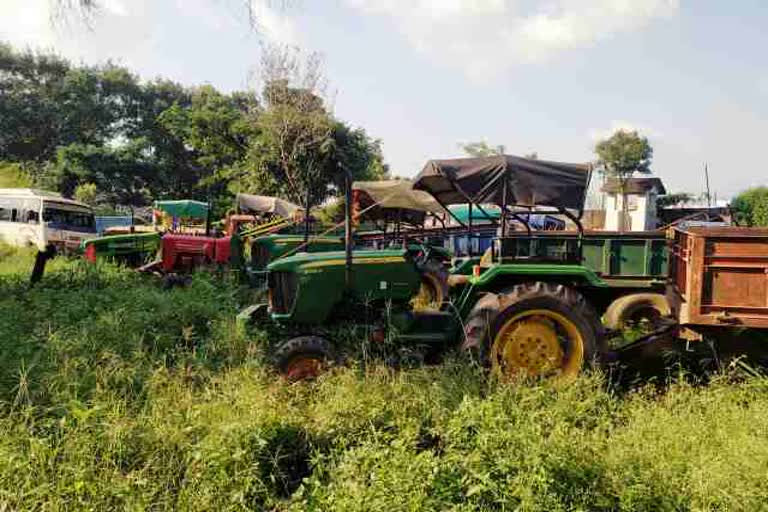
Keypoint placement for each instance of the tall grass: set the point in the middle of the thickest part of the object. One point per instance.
(116, 394)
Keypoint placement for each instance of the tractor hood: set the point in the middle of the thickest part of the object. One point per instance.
(335, 258)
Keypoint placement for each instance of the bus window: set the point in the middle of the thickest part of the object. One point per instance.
(61, 217)
(9, 209)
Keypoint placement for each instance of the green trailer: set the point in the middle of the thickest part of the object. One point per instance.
(625, 259)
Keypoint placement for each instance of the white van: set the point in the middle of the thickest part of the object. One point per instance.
(30, 217)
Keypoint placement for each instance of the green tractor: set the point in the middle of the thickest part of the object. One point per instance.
(390, 210)
(518, 311)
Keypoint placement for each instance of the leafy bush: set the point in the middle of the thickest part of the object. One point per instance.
(751, 207)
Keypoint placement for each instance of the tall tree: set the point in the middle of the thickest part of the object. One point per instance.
(621, 156)
(298, 149)
(215, 130)
(294, 140)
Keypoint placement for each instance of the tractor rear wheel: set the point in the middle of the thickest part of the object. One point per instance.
(637, 310)
(533, 329)
(303, 357)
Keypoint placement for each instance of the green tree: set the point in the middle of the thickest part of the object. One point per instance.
(621, 155)
(675, 199)
(750, 208)
(12, 175)
(86, 193)
(67, 126)
(121, 174)
(215, 130)
(481, 148)
(300, 151)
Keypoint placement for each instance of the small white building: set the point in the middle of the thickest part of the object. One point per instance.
(641, 195)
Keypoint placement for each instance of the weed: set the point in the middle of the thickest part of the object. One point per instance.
(117, 394)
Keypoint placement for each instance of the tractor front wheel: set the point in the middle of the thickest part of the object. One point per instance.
(433, 288)
(534, 329)
(303, 357)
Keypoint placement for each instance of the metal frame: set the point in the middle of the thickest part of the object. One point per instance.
(576, 219)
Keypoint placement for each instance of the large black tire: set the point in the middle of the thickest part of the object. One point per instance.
(494, 312)
(303, 357)
(433, 294)
(635, 308)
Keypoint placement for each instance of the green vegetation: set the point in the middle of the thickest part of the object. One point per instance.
(750, 208)
(116, 394)
(64, 127)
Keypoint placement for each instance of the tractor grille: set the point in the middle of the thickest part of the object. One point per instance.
(259, 257)
(282, 291)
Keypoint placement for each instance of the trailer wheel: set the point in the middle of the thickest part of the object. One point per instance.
(433, 290)
(303, 357)
(635, 309)
(534, 329)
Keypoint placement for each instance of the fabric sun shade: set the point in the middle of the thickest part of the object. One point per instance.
(185, 208)
(266, 204)
(393, 200)
(525, 182)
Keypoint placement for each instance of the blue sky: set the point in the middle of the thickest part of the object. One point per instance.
(426, 75)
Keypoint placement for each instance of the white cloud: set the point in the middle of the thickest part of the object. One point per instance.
(616, 125)
(487, 36)
(137, 33)
(116, 7)
(276, 26)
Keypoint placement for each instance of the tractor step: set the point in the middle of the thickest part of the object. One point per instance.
(251, 314)
(647, 346)
(152, 266)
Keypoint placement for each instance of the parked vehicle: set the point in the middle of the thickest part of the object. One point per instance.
(719, 277)
(520, 314)
(131, 249)
(31, 217)
(257, 216)
(532, 305)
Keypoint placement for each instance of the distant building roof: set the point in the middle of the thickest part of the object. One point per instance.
(699, 205)
(634, 186)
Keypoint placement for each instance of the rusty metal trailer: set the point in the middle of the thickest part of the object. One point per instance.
(719, 277)
(717, 288)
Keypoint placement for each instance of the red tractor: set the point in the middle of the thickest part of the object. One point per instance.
(182, 252)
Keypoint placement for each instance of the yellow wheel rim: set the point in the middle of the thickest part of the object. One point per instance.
(430, 294)
(538, 343)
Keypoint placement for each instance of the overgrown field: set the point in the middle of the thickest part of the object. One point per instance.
(116, 394)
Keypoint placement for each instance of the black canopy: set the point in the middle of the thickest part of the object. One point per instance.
(395, 200)
(526, 182)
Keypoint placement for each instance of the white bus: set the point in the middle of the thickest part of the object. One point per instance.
(30, 217)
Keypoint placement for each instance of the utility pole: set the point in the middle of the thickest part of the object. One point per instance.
(307, 199)
(706, 178)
